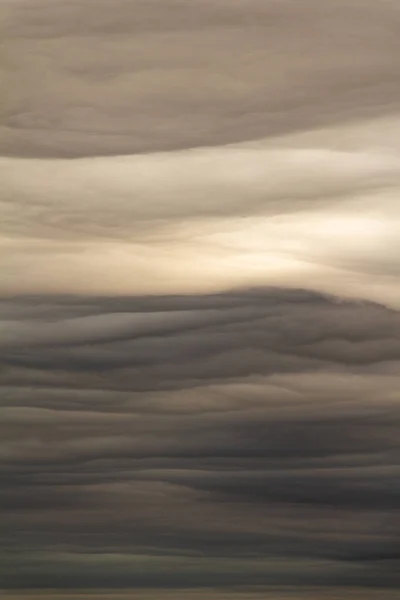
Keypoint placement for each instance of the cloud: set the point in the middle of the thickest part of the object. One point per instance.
(129, 77)
(110, 327)
(183, 185)
(199, 301)
(278, 432)
(203, 220)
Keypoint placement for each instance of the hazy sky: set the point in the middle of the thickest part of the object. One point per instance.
(199, 297)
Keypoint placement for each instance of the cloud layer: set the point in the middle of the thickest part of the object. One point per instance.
(247, 436)
(199, 298)
(309, 215)
(125, 76)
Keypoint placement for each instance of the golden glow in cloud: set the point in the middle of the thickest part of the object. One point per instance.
(321, 216)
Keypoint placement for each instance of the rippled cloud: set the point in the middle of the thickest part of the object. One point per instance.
(199, 299)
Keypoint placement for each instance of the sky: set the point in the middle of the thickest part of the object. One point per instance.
(199, 299)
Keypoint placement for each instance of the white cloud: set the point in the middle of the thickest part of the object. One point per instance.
(113, 196)
(316, 211)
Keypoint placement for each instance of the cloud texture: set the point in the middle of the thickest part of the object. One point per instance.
(125, 76)
(199, 298)
(244, 436)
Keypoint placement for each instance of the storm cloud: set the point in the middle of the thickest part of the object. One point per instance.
(199, 299)
(197, 445)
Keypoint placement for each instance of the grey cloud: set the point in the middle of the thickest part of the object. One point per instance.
(144, 571)
(244, 442)
(373, 489)
(207, 73)
(266, 332)
(109, 327)
(151, 191)
(270, 463)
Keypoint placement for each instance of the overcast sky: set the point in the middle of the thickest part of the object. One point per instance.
(199, 298)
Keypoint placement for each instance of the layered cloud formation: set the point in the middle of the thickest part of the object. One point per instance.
(125, 76)
(113, 88)
(246, 437)
(199, 299)
(204, 220)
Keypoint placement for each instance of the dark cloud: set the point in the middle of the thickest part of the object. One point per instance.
(142, 439)
(155, 431)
